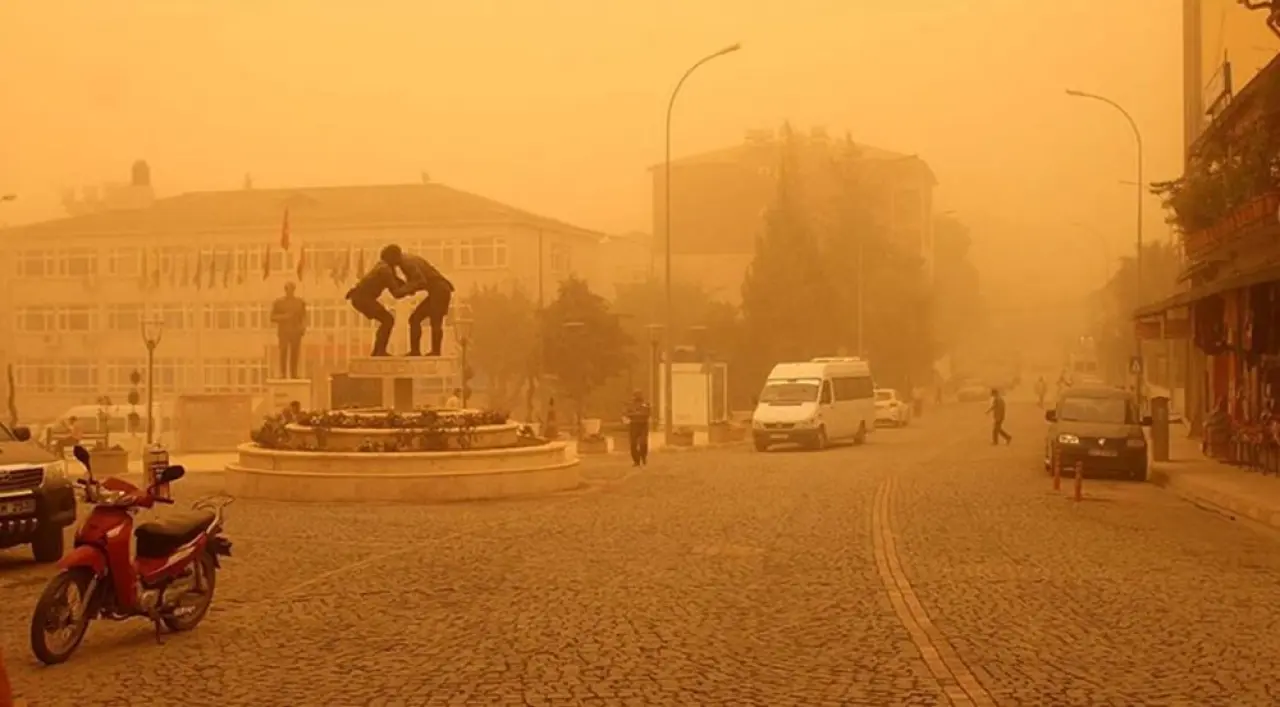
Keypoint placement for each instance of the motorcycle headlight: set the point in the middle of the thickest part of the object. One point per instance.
(1068, 439)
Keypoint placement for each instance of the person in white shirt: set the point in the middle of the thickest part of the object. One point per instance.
(455, 400)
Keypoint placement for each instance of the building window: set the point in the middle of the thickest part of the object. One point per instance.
(124, 262)
(77, 319)
(119, 371)
(124, 317)
(80, 262)
(37, 263)
(174, 316)
(49, 319)
(78, 375)
(35, 319)
(482, 253)
(234, 375)
(561, 259)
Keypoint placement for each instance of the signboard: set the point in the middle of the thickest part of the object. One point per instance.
(1135, 365)
(1217, 93)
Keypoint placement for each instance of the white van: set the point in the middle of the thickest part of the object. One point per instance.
(815, 402)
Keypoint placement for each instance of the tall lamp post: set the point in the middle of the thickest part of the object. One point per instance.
(152, 330)
(462, 332)
(669, 346)
(1137, 137)
(655, 337)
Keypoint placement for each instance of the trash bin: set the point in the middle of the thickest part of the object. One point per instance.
(154, 461)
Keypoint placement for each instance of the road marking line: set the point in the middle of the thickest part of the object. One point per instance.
(957, 681)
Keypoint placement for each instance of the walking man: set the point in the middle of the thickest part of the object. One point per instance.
(1041, 389)
(421, 276)
(638, 429)
(364, 299)
(289, 314)
(997, 418)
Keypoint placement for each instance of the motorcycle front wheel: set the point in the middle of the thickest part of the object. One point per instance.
(62, 616)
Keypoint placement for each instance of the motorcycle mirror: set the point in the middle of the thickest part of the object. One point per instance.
(22, 434)
(82, 455)
(172, 473)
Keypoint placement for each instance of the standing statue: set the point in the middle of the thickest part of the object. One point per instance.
(421, 276)
(289, 314)
(364, 299)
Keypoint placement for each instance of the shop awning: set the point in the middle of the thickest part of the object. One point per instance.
(1237, 281)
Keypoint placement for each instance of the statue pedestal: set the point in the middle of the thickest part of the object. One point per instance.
(283, 391)
(397, 374)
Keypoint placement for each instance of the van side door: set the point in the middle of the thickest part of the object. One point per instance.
(833, 415)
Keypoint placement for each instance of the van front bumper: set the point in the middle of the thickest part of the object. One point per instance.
(794, 435)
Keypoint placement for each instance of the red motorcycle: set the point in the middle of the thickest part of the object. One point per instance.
(171, 580)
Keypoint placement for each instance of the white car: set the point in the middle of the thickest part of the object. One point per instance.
(891, 409)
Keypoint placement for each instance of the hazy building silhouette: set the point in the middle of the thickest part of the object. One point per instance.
(719, 198)
(209, 264)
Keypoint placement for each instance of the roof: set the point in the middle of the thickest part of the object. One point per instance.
(309, 207)
(743, 151)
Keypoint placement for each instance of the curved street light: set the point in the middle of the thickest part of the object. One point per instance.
(1137, 136)
(669, 343)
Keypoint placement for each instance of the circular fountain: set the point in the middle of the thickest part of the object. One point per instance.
(378, 455)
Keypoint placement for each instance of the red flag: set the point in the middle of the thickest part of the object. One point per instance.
(302, 260)
(266, 262)
(284, 231)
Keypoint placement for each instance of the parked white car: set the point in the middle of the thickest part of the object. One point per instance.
(891, 409)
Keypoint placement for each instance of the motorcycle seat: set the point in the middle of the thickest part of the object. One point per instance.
(159, 538)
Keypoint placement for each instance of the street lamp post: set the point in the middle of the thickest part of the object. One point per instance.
(462, 332)
(1137, 136)
(655, 336)
(669, 346)
(152, 330)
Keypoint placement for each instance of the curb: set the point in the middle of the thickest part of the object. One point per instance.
(665, 449)
(1226, 504)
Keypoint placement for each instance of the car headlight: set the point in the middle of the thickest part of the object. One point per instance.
(1137, 442)
(55, 471)
(1068, 439)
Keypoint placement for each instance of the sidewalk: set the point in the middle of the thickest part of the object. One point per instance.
(1232, 490)
(658, 443)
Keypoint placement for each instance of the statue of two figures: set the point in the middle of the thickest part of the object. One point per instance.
(404, 274)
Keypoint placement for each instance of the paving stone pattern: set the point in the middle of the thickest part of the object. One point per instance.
(925, 568)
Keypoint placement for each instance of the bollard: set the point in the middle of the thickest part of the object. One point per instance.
(1079, 479)
(1057, 469)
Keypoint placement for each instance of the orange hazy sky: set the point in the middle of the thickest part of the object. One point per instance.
(557, 105)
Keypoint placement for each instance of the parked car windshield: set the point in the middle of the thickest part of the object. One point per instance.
(1108, 410)
(884, 395)
(791, 392)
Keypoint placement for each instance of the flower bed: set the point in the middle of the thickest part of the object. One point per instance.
(385, 431)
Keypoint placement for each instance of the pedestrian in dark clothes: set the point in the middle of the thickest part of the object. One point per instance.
(997, 418)
(638, 413)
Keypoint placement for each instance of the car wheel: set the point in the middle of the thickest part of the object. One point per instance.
(761, 445)
(820, 440)
(47, 545)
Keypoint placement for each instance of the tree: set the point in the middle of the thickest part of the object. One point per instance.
(584, 342)
(958, 309)
(503, 340)
(790, 308)
(1119, 298)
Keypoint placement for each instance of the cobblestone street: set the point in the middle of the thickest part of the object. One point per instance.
(927, 567)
